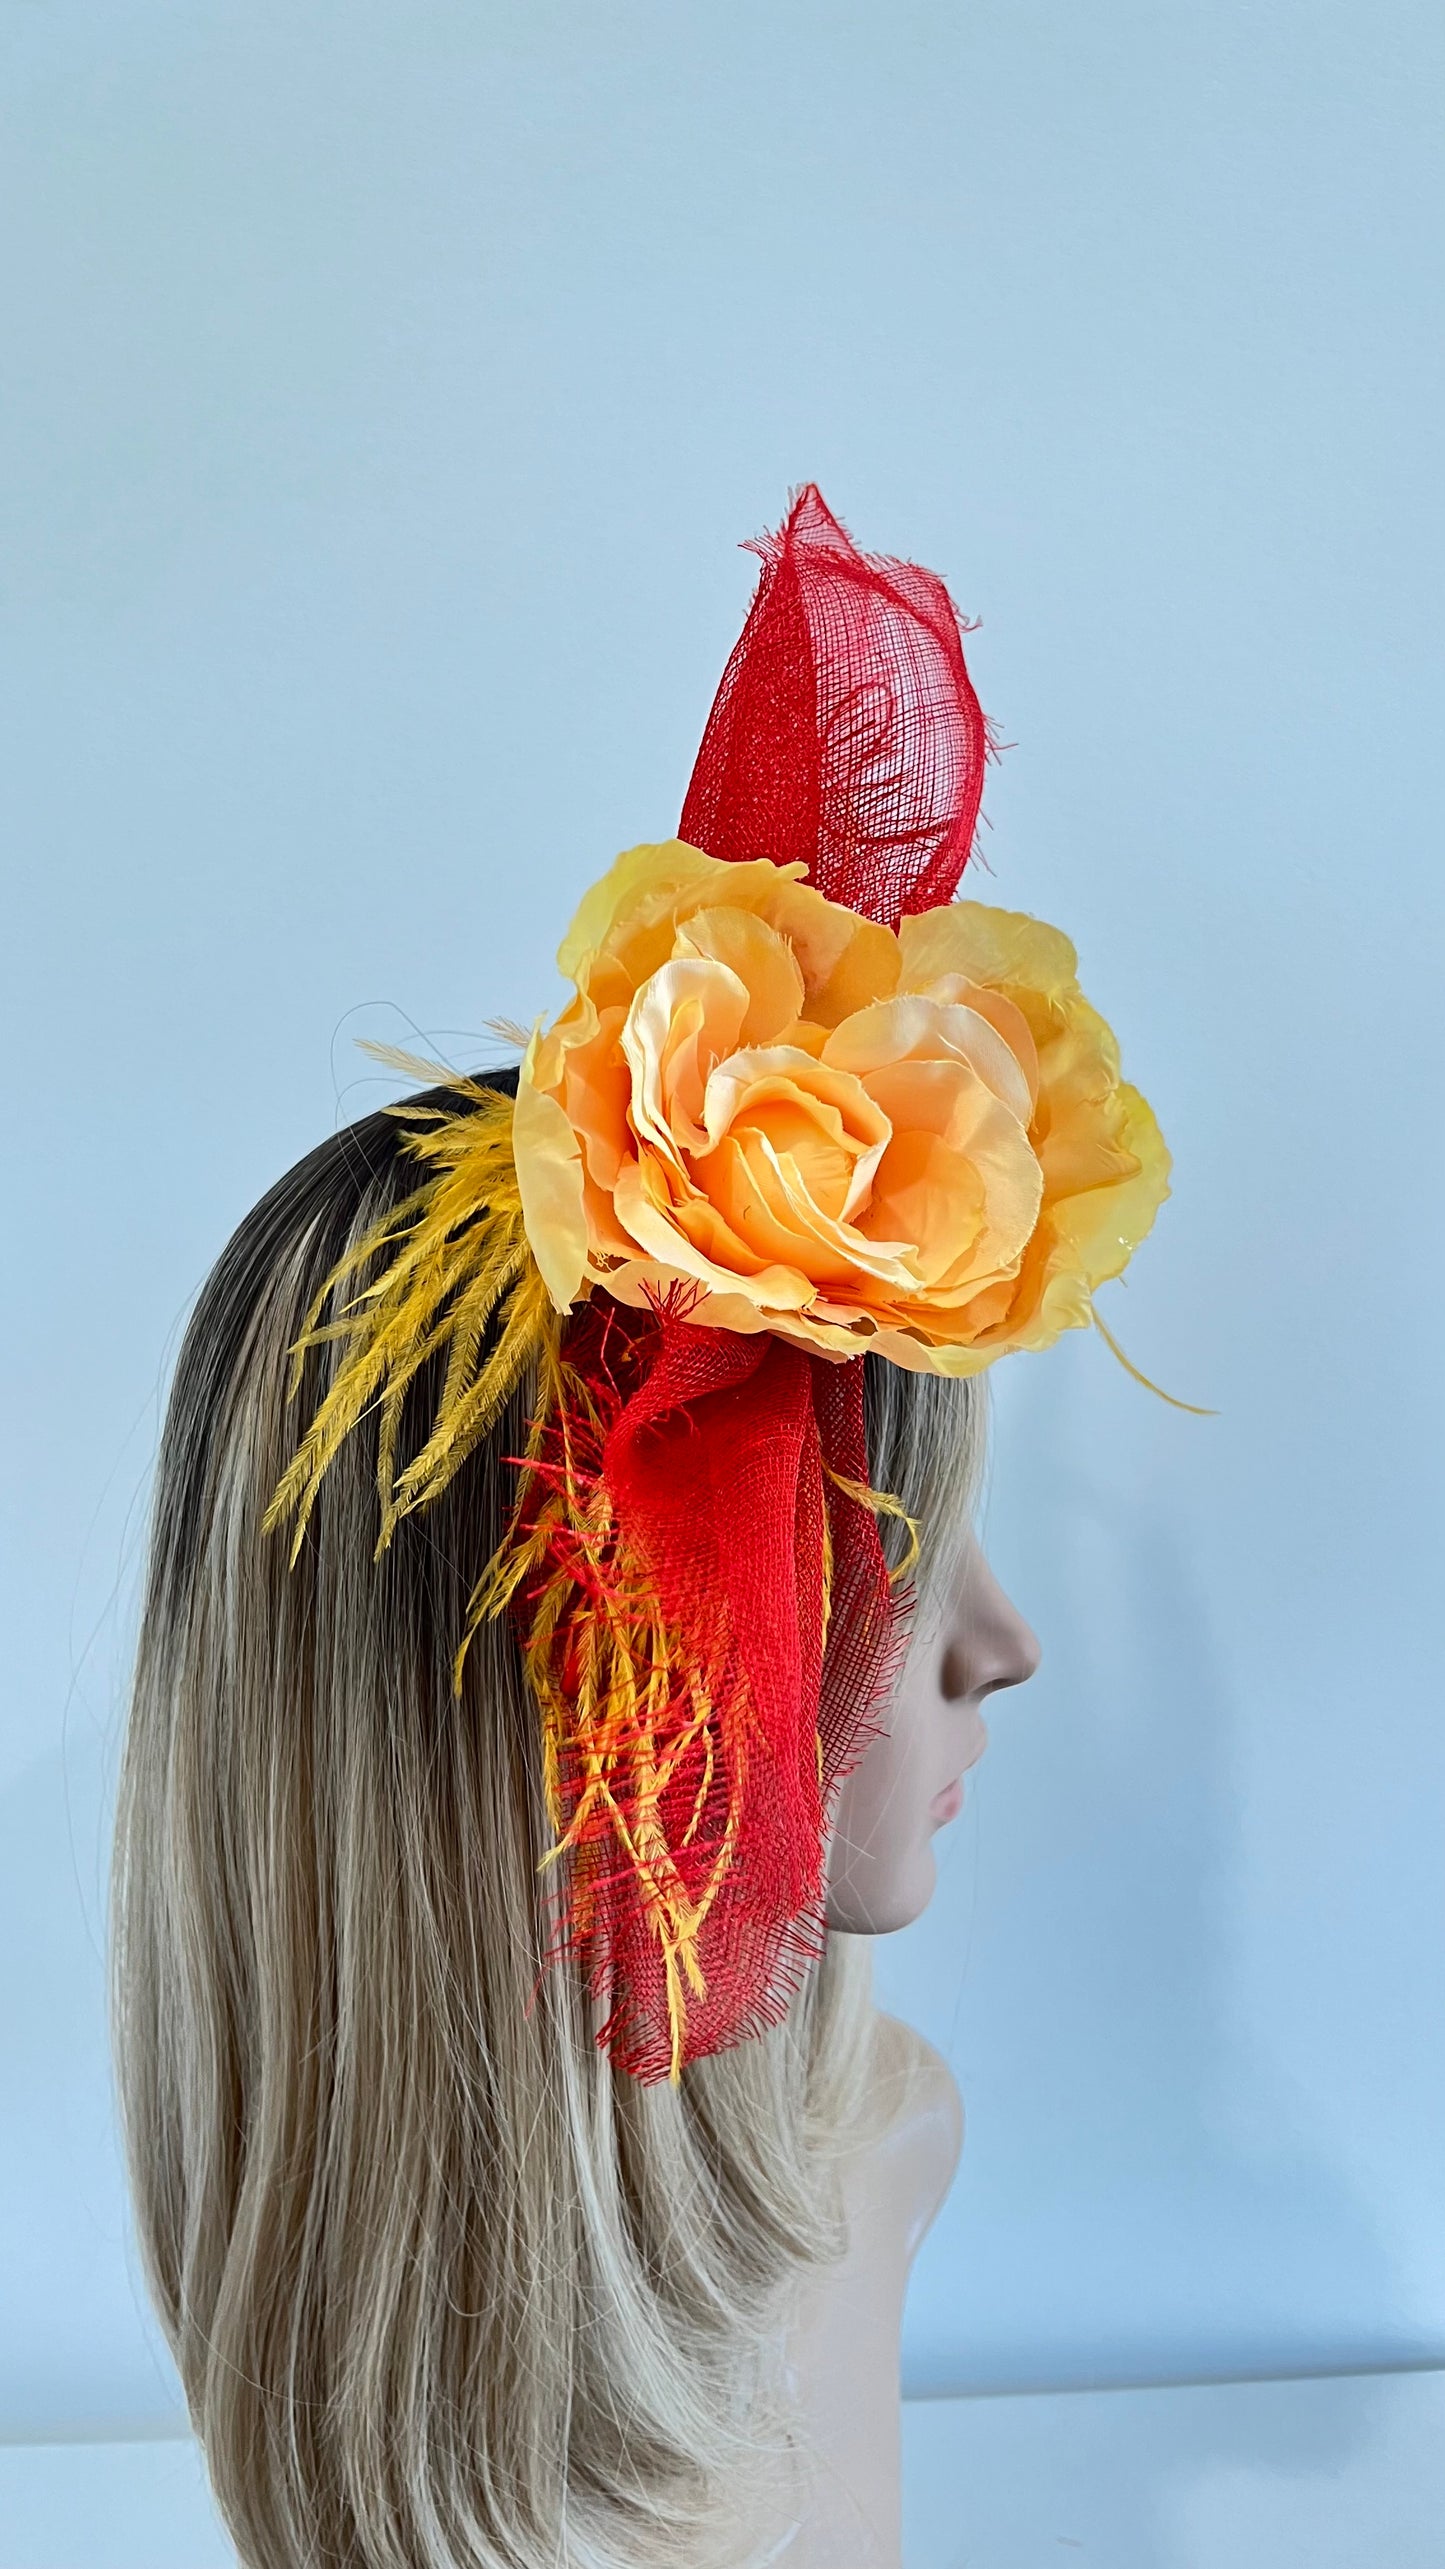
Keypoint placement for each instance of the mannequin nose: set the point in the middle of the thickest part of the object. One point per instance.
(988, 1645)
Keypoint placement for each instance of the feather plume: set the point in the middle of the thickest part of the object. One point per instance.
(449, 1270)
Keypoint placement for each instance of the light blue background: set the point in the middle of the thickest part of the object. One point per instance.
(386, 388)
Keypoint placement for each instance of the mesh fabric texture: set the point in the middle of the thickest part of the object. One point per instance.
(845, 733)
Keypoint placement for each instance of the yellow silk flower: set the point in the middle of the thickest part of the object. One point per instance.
(916, 1144)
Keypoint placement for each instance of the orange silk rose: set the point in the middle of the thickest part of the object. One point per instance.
(918, 1144)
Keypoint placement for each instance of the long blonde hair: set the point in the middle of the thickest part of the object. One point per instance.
(442, 2288)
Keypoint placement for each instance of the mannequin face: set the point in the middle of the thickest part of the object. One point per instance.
(881, 1870)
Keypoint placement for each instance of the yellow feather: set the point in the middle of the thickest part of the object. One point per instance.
(882, 1503)
(1112, 1343)
(455, 1269)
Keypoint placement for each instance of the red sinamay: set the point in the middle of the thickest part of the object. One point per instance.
(846, 733)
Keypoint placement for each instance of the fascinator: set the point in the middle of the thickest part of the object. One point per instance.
(804, 1105)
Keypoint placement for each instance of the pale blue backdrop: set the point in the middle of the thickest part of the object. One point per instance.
(387, 386)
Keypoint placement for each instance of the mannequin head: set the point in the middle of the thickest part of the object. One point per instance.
(438, 2280)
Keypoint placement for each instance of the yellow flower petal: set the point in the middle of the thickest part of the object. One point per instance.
(659, 1236)
(763, 962)
(917, 1028)
(996, 947)
(647, 876)
(683, 1020)
(549, 1177)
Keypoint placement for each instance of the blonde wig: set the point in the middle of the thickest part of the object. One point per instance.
(445, 2290)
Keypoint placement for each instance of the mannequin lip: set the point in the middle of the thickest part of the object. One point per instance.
(947, 1804)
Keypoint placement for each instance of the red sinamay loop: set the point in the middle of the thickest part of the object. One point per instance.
(718, 1454)
(846, 730)
(720, 1471)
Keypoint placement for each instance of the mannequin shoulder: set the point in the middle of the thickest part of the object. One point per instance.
(902, 2178)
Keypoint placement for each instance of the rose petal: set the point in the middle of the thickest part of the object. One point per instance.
(1003, 1014)
(845, 960)
(763, 961)
(681, 1021)
(638, 891)
(1004, 949)
(933, 1197)
(766, 1198)
(774, 1287)
(917, 1028)
(549, 1179)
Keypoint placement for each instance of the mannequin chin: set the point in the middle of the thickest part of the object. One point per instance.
(909, 1783)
